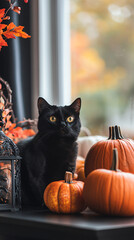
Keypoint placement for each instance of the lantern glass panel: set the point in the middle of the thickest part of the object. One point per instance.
(5, 182)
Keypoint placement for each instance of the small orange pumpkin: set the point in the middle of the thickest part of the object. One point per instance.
(110, 192)
(100, 154)
(65, 196)
(80, 168)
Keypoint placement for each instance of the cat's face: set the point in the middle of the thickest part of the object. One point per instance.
(59, 122)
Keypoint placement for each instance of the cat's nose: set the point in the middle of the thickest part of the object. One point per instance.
(63, 124)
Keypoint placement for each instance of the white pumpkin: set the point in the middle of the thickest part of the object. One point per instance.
(86, 142)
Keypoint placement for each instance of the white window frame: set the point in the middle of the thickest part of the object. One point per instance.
(54, 51)
(51, 52)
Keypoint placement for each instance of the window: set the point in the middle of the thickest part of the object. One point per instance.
(54, 51)
(102, 62)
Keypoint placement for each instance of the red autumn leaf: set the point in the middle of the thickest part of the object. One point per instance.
(2, 26)
(2, 13)
(8, 34)
(11, 26)
(2, 42)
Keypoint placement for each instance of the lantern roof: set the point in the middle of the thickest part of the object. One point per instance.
(8, 148)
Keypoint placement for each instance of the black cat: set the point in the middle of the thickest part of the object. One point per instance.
(52, 151)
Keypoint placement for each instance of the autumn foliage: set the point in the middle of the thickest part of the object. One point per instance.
(12, 129)
(8, 31)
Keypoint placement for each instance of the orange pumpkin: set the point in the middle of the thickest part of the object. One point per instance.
(110, 192)
(65, 196)
(80, 168)
(100, 154)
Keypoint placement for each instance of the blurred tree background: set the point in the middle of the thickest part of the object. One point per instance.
(102, 62)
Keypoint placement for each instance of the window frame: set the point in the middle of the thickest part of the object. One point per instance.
(51, 46)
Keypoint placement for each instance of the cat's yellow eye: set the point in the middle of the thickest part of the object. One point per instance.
(70, 119)
(53, 119)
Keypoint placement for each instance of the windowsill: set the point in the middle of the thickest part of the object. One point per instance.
(41, 224)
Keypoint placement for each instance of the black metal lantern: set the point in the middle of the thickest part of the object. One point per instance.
(10, 183)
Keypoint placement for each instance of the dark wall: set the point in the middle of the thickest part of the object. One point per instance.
(15, 65)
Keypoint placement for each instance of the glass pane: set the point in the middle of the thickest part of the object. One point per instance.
(102, 62)
(5, 183)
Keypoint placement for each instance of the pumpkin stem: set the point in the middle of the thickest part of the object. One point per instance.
(115, 133)
(118, 132)
(115, 161)
(111, 133)
(68, 177)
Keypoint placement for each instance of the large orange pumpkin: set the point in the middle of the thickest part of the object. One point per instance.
(65, 196)
(100, 154)
(110, 192)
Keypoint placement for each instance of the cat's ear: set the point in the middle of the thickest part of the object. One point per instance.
(76, 105)
(42, 103)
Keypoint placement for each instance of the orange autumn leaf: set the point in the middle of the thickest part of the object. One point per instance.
(2, 13)
(9, 35)
(12, 126)
(19, 33)
(8, 124)
(2, 42)
(2, 26)
(11, 30)
(16, 133)
(11, 26)
(29, 132)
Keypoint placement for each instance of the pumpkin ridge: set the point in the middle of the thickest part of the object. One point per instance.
(46, 195)
(109, 195)
(98, 152)
(58, 197)
(126, 160)
(95, 159)
(121, 147)
(129, 144)
(123, 180)
(103, 154)
(70, 196)
(78, 187)
(98, 188)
